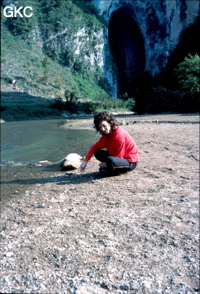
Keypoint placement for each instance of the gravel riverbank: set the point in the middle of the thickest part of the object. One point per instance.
(133, 233)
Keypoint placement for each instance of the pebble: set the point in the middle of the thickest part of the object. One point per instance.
(40, 206)
(9, 254)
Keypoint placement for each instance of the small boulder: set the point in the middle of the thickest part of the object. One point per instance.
(70, 162)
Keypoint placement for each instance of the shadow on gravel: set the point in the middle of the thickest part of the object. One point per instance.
(68, 178)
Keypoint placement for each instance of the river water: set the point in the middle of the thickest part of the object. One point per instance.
(25, 143)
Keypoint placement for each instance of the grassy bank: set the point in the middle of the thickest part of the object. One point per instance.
(23, 106)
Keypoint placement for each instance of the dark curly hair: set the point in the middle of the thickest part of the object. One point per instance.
(107, 116)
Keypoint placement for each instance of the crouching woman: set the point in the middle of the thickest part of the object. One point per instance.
(116, 149)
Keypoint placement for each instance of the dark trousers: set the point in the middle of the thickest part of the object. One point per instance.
(114, 163)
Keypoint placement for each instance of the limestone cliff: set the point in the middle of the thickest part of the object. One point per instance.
(143, 33)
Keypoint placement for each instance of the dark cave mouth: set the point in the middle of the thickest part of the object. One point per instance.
(127, 48)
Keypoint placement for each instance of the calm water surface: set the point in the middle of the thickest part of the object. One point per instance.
(25, 143)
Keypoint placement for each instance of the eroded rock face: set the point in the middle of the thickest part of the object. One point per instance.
(127, 47)
(154, 30)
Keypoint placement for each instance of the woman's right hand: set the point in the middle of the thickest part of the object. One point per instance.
(83, 165)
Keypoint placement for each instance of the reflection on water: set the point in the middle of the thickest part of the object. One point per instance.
(27, 142)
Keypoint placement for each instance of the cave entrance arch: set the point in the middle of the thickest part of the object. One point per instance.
(127, 48)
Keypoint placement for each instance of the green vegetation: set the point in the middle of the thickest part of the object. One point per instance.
(176, 91)
(42, 81)
(188, 73)
(22, 25)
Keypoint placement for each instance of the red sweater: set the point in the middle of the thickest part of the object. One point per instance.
(118, 143)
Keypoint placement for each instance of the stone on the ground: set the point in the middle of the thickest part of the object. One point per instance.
(71, 161)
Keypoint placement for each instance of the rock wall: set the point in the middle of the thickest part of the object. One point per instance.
(79, 44)
(160, 23)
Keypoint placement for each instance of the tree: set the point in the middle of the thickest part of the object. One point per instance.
(188, 73)
(45, 64)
